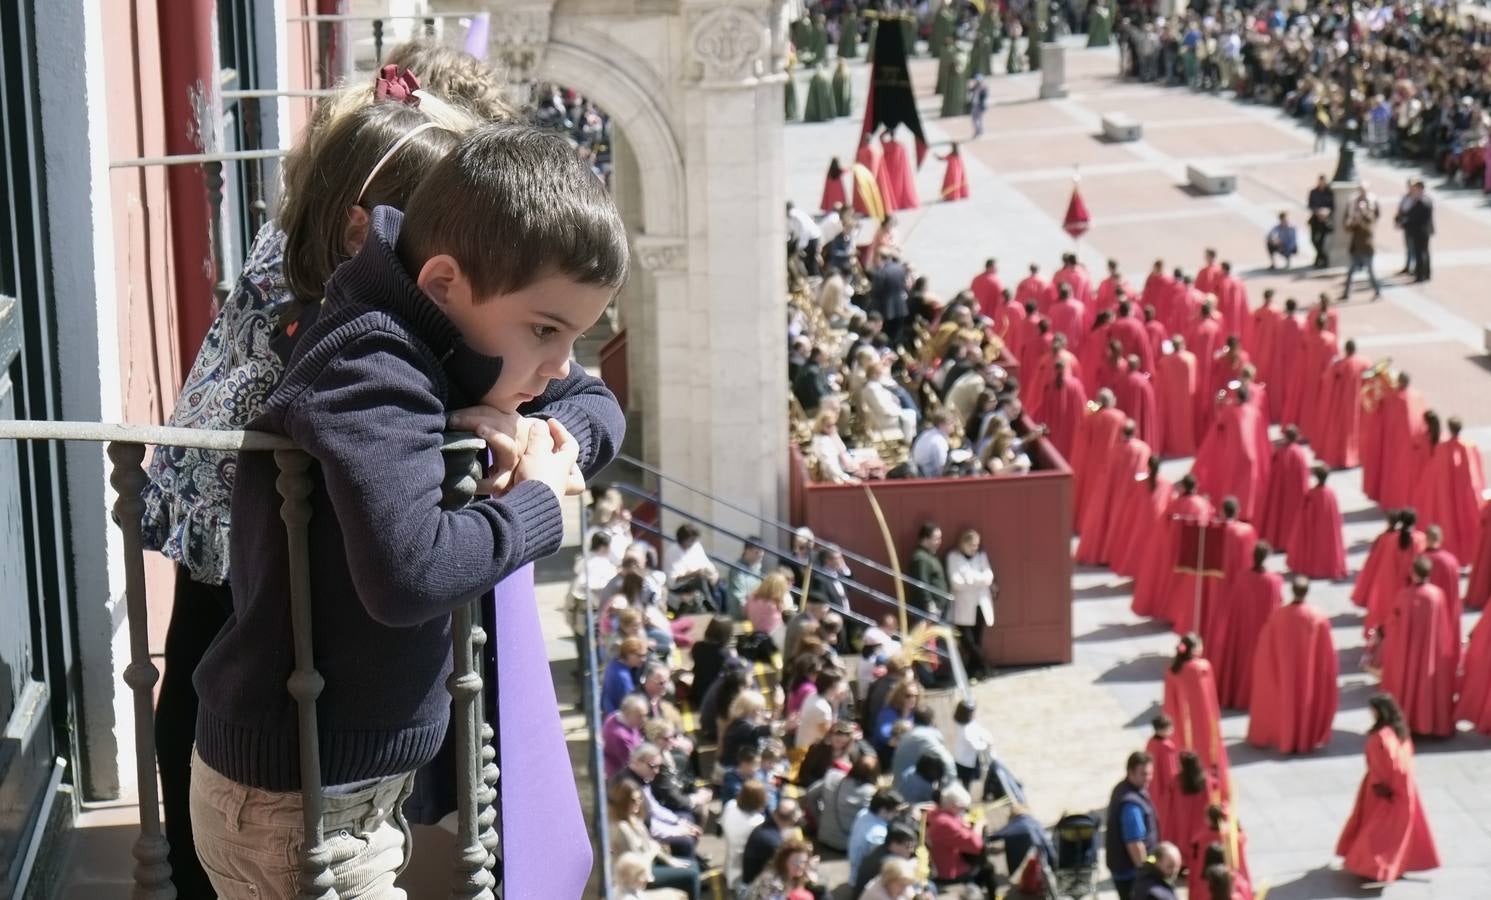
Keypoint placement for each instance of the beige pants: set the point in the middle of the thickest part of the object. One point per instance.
(249, 840)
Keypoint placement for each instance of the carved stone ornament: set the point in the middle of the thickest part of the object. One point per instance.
(729, 43)
(660, 253)
(518, 35)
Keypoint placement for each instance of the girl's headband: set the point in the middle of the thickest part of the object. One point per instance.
(388, 154)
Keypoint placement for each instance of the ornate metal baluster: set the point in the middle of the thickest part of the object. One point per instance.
(316, 881)
(212, 173)
(152, 870)
(486, 798)
(377, 42)
(473, 879)
(430, 26)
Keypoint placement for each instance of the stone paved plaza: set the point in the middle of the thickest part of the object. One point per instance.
(1066, 730)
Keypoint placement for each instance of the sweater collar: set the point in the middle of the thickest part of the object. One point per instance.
(376, 277)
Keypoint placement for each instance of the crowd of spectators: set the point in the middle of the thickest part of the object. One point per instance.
(1406, 80)
(888, 378)
(582, 121)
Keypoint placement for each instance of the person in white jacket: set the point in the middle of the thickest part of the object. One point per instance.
(972, 581)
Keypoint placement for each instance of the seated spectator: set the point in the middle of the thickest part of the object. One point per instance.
(676, 830)
(923, 738)
(714, 710)
(773, 769)
(901, 841)
(709, 656)
(922, 782)
(1282, 241)
(633, 873)
(747, 769)
(838, 798)
(748, 727)
(790, 876)
(693, 581)
(932, 448)
(744, 576)
(593, 571)
(621, 733)
(767, 838)
(870, 827)
(675, 786)
(812, 385)
(741, 815)
(833, 752)
(764, 608)
(609, 516)
(956, 846)
(620, 677)
(880, 411)
(896, 881)
(834, 462)
(816, 716)
(904, 697)
(630, 835)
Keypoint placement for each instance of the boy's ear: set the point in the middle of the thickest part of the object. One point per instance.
(442, 279)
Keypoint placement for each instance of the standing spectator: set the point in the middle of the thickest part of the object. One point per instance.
(926, 567)
(1418, 227)
(1132, 829)
(1361, 225)
(744, 576)
(1282, 241)
(974, 746)
(805, 235)
(1321, 196)
(978, 103)
(972, 580)
(1320, 229)
(1403, 203)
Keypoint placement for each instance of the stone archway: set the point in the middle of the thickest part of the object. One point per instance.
(695, 88)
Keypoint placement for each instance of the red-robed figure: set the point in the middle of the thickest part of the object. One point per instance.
(1009, 324)
(1158, 287)
(1032, 288)
(988, 290)
(1175, 394)
(1261, 332)
(869, 157)
(1142, 510)
(1062, 406)
(1288, 480)
(1249, 598)
(1155, 332)
(1449, 491)
(1233, 459)
(1155, 580)
(1195, 788)
(1294, 691)
(1232, 554)
(1444, 573)
(1210, 273)
(1228, 367)
(1400, 421)
(1474, 705)
(1316, 355)
(1388, 570)
(1232, 302)
(954, 181)
(1035, 347)
(1288, 342)
(1388, 833)
(1339, 418)
(833, 187)
(1421, 655)
(1073, 274)
(1376, 383)
(1099, 432)
(1478, 591)
(1068, 316)
(1191, 701)
(1161, 747)
(1136, 397)
(1113, 472)
(1130, 333)
(1316, 546)
(897, 167)
(1113, 288)
(1216, 832)
(1205, 338)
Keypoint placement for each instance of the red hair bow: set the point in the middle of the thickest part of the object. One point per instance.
(398, 84)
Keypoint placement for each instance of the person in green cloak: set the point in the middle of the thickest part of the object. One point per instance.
(790, 95)
(801, 32)
(819, 39)
(848, 34)
(820, 105)
(947, 67)
(981, 58)
(870, 41)
(955, 97)
(842, 89)
(944, 26)
(1012, 59)
(1099, 26)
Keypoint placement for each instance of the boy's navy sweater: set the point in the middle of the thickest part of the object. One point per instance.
(367, 394)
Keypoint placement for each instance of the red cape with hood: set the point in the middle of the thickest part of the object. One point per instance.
(1294, 693)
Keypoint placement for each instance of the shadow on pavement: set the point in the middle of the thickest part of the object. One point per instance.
(1149, 667)
(1121, 632)
(1321, 882)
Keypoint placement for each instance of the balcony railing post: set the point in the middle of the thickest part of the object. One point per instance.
(305, 684)
(378, 42)
(592, 699)
(476, 840)
(212, 173)
(152, 870)
(429, 26)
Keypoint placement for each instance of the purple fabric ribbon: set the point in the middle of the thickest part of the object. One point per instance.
(545, 845)
(476, 35)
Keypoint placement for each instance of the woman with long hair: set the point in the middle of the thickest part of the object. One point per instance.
(626, 810)
(1191, 702)
(1388, 833)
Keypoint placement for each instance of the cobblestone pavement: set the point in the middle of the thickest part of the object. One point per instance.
(1065, 730)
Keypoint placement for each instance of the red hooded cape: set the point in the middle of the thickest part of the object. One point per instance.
(1316, 547)
(1188, 811)
(1319, 350)
(954, 181)
(1444, 573)
(1204, 339)
(1238, 540)
(1096, 436)
(1449, 494)
(1294, 691)
(1474, 705)
(869, 157)
(1175, 395)
(1231, 461)
(1195, 855)
(1387, 836)
(1142, 511)
(1249, 598)
(1479, 589)
(897, 166)
(1400, 419)
(1419, 657)
(1135, 395)
(1288, 342)
(1061, 409)
(1260, 337)
(1339, 419)
(833, 188)
(1113, 472)
(1380, 580)
(1288, 480)
(1191, 701)
(1131, 336)
(1155, 579)
(1162, 786)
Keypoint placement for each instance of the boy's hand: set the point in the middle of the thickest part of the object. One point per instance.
(506, 435)
(551, 456)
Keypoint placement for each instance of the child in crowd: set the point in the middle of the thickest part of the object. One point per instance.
(773, 772)
(974, 746)
(747, 768)
(474, 297)
(1161, 747)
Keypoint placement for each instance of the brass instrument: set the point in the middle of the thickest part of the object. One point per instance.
(1375, 381)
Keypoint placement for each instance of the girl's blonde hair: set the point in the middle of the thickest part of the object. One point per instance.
(746, 704)
(323, 176)
(773, 587)
(633, 872)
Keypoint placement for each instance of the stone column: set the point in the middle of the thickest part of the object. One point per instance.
(1053, 70)
(1338, 244)
(736, 291)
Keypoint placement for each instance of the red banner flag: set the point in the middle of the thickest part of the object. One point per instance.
(1200, 548)
(1077, 220)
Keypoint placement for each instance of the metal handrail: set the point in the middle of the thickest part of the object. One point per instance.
(195, 159)
(593, 714)
(878, 596)
(387, 17)
(267, 93)
(783, 526)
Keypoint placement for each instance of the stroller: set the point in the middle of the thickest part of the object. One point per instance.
(1074, 876)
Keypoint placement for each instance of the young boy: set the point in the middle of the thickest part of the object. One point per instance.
(509, 250)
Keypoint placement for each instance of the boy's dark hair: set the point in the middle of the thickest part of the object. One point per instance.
(886, 801)
(513, 204)
(748, 753)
